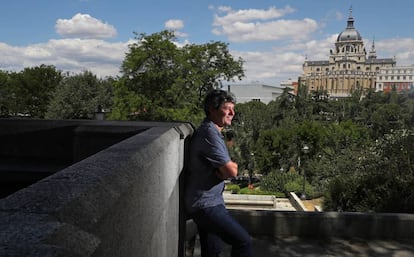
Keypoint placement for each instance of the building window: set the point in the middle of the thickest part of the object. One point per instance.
(256, 99)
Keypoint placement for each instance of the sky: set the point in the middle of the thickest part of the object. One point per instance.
(272, 37)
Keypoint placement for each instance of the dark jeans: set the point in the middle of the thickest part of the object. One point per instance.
(216, 225)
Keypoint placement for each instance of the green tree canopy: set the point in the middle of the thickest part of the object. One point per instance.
(162, 81)
(78, 97)
(379, 178)
(28, 92)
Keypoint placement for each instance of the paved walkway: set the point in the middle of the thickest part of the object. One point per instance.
(295, 247)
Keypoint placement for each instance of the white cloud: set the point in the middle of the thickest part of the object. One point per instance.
(232, 16)
(69, 55)
(174, 24)
(271, 66)
(261, 25)
(85, 50)
(400, 48)
(84, 26)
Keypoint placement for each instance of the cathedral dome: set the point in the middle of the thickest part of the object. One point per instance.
(350, 33)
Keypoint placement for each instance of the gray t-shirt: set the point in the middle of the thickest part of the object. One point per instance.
(207, 152)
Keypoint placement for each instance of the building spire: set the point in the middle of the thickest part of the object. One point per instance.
(373, 44)
(350, 19)
(372, 53)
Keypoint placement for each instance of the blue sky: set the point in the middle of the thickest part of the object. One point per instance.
(273, 37)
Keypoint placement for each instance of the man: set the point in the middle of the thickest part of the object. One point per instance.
(208, 165)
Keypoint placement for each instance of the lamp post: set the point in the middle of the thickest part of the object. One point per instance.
(252, 169)
(99, 113)
(305, 150)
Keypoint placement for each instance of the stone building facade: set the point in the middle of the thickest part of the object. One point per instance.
(400, 78)
(349, 66)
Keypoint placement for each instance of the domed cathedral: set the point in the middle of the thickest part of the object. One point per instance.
(349, 66)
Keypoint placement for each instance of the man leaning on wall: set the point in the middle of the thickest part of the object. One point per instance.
(209, 164)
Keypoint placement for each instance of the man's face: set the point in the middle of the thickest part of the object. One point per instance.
(223, 115)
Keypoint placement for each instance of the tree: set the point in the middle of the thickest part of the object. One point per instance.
(275, 149)
(249, 121)
(161, 81)
(78, 96)
(6, 101)
(379, 178)
(28, 92)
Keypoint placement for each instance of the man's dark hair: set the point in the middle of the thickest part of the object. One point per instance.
(217, 97)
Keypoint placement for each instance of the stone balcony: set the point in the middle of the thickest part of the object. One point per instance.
(114, 189)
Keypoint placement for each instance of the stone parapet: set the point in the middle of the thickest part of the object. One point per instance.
(122, 201)
(325, 225)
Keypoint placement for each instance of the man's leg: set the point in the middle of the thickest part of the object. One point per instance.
(218, 221)
(211, 245)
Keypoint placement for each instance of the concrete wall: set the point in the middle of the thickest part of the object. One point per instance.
(245, 200)
(325, 225)
(122, 201)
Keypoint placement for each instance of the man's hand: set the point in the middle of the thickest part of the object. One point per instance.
(228, 170)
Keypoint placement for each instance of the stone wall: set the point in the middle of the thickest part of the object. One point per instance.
(122, 201)
(325, 225)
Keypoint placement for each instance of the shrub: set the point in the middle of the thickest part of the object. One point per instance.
(258, 191)
(233, 188)
(286, 182)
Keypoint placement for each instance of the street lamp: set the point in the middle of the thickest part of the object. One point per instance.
(99, 113)
(305, 150)
(252, 168)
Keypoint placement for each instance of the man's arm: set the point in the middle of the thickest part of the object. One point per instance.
(228, 170)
